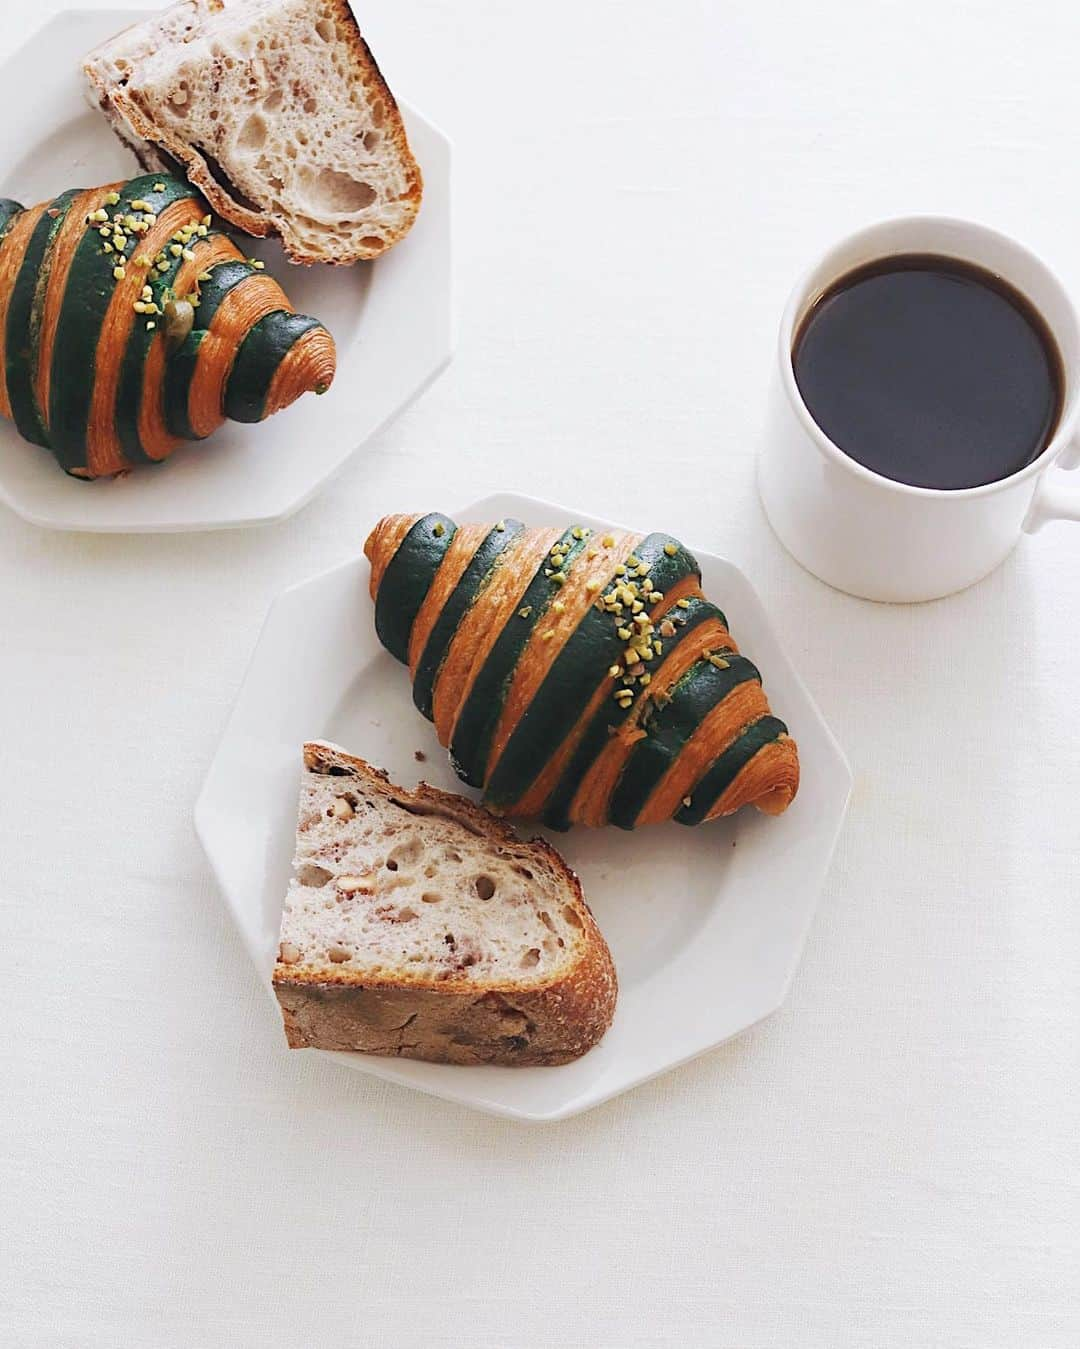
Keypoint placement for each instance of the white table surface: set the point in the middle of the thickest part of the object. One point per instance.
(893, 1159)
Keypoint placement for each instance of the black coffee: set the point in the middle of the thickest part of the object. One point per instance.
(930, 371)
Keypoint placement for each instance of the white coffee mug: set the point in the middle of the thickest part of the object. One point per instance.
(885, 540)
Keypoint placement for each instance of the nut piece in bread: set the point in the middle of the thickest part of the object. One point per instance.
(418, 925)
(276, 110)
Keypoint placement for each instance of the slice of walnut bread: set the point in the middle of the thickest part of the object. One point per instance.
(418, 925)
(276, 111)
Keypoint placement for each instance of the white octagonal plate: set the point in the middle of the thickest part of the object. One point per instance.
(706, 925)
(390, 318)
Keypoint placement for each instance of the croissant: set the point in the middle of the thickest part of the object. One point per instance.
(577, 677)
(129, 323)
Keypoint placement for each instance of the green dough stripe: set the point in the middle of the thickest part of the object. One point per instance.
(474, 580)
(479, 716)
(9, 209)
(408, 579)
(131, 389)
(23, 330)
(179, 373)
(180, 368)
(262, 351)
(725, 770)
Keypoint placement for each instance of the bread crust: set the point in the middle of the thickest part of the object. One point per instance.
(455, 1020)
(151, 142)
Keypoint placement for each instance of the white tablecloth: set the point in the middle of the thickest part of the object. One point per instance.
(892, 1160)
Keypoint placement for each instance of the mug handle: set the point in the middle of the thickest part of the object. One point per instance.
(1054, 499)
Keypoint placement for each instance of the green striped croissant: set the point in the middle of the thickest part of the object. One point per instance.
(577, 677)
(129, 324)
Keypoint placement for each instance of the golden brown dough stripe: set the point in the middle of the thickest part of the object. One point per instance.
(128, 324)
(577, 676)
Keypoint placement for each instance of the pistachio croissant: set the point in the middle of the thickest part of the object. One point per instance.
(577, 677)
(129, 323)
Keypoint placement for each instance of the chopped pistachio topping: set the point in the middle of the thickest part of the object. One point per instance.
(525, 611)
(179, 321)
(626, 599)
(112, 198)
(670, 549)
(439, 529)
